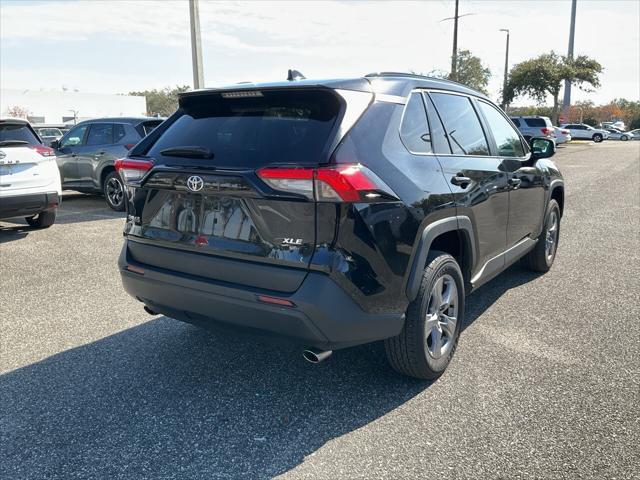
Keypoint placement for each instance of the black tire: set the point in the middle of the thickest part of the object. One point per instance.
(597, 137)
(624, 138)
(410, 352)
(540, 259)
(113, 190)
(43, 219)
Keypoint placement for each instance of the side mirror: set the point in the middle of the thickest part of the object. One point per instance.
(55, 144)
(542, 147)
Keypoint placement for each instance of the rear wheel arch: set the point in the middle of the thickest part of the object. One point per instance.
(452, 235)
(103, 174)
(557, 194)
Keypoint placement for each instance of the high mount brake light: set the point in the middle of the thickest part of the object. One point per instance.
(132, 170)
(42, 150)
(343, 183)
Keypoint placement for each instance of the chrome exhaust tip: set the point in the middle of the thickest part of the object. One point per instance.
(149, 311)
(313, 355)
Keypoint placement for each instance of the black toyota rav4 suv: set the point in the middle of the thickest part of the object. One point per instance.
(337, 212)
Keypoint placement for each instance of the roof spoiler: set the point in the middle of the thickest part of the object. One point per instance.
(294, 75)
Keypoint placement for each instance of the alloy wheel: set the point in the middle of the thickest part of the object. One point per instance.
(441, 317)
(552, 236)
(114, 191)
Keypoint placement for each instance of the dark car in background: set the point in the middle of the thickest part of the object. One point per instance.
(86, 154)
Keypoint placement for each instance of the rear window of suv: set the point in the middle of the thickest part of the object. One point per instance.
(285, 126)
(17, 131)
(536, 122)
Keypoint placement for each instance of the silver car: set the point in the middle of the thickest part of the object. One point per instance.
(615, 134)
(562, 135)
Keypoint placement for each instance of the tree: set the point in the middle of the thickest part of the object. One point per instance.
(162, 102)
(470, 72)
(17, 111)
(545, 74)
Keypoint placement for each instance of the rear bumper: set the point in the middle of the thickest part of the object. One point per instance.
(324, 315)
(27, 205)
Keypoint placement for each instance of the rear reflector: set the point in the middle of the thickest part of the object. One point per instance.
(132, 170)
(343, 183)
(276, 301)
(42, 150)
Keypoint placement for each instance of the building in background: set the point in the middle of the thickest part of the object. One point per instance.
(57, 107)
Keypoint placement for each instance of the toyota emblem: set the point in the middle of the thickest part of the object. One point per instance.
(195, 183)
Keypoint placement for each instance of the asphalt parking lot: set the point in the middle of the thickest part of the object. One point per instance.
(545, 382)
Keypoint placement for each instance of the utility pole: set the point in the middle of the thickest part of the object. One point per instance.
(454, 54)
(196, 45)
(506, 70)
(572, 31)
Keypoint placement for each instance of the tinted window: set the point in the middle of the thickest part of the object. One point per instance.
(125, 134)
(516, 122)
(414, 130)
(506, 137)
(291, 126)
(75, 136)
(17, 131)
(100, 134)
(461, 123)
(438, 137)
(147, 127)
(535, 122)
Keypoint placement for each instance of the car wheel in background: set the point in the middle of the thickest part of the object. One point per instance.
(624, 138)
(430, 334)
(113, 190)
(597, 138)
(43, 219)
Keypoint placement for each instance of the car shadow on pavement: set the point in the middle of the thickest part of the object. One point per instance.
(9, 232)
(168, 400)
(80, 207)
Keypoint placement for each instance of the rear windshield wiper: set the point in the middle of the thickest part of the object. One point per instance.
(187, 152)
(6, 143)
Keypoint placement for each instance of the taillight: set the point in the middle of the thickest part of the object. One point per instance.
(564, 132)
(42, 150)
(129, 146)
(131, 170)
(343, 183)
(546, 131)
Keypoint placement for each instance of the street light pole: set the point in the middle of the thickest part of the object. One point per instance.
(454, 55)
(196, 45)
(572, 33)
(506, 70)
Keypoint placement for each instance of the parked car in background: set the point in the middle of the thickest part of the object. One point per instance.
(615, 134)
(266, 207)
(618, 125)
(86, 154)
(534, 126)
(562, 135)
(49, 134)
(635, 133)
(582, 131)
(29, 178)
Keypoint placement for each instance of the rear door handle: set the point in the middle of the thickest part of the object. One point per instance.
(460, 180)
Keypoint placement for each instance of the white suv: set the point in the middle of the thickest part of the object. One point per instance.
(581, 131)
(29, 176)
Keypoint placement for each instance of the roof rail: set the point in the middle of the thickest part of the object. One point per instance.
(413, 75)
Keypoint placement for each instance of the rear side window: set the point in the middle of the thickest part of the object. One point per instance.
(414, 129)
(17, 131)
(146, 128)
(461, 123)
(506, 137)
(285, 126)
(100, 134)
(535, 122)
(125, 134)
(438, 135)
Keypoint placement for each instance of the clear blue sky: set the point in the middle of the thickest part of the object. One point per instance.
(119, 46)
